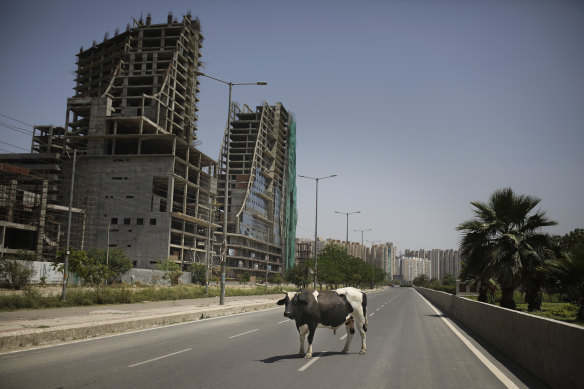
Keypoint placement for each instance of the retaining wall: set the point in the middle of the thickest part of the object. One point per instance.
(551, 350)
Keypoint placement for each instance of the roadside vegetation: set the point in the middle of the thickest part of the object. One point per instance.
(34, 298)
(505, 251)
(335, 268)
(447, 285)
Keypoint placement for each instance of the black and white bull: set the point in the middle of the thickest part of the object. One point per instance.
(328, 309)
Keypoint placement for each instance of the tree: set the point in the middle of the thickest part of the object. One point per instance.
(422, 280)
(115, 260)
(198, 273)
(566, 272)
(298, 274)
(330, 265)
(276, 279)
(17, 271)
(90, 269)
(503, 241)
(172, 270)
(449, 280)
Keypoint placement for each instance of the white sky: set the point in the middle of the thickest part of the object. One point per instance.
(419, 107)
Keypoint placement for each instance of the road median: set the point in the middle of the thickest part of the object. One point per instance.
(24, 334)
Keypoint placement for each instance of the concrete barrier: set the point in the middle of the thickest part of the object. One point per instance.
(551, 350)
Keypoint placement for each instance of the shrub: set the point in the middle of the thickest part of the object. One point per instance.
(16, 272)
(172, 270)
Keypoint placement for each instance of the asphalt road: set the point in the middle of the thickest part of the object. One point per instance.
(409, 345)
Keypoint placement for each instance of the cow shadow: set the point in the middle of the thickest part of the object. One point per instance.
(279, 358)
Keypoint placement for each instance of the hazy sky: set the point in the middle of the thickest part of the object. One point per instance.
(419, 107)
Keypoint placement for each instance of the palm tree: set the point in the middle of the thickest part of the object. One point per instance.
(503, 241)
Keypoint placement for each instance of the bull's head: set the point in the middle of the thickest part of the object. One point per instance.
(290, 302)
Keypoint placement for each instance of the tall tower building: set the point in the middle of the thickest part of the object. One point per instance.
(259, 152)
(132, 121)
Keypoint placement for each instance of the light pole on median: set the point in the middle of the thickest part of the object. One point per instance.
(226, 197)
(362, 247)
(316, 219)
(347, 213)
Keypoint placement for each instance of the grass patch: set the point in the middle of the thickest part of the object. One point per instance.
(552, 307)
(120, 294)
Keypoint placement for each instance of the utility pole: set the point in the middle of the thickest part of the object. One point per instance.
(67, 252)
(316, 222)
(224, 246)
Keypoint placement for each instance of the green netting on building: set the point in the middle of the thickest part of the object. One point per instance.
(291, 211)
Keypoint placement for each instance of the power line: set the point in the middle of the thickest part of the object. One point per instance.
(14, 128)
(16, 120)
(18, 147)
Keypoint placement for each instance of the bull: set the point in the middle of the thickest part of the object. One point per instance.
(327, 309)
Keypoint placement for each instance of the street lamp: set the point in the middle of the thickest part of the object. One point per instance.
(362, 247)
(226, 197)
(347, 213)
(316, 218)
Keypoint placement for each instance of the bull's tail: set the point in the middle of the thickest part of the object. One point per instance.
(364, 305)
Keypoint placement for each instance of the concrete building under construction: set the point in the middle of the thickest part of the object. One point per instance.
(141, 184)
(259, 152)
(132, 121)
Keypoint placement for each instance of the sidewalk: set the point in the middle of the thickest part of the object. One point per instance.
(30, 328)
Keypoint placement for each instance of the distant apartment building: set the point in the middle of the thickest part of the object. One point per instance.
(442, 262)
(305, 248)
(412, 267)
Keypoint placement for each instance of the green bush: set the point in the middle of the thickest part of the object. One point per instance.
(15, 271)
(120, 294)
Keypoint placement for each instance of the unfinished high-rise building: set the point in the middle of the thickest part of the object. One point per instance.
(259, 152)
(139, 182)
(133, 122)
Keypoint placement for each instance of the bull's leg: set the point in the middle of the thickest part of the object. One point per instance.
(349, 325)
(312, 330)
(361, 328)
(302, 330)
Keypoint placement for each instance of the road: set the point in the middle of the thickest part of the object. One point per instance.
(409, 345)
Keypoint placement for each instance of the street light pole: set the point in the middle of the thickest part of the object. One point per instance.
(347, 238)
(362, 247)
(316, 220)
(67, 248)
(226, 197)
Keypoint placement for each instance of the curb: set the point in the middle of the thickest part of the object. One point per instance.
(22, 339)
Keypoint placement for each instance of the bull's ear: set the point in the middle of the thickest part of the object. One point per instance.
(281, 302)
(303, 298)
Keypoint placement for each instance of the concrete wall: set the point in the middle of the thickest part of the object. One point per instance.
(147, 276)
(144, 276)
(551, 350)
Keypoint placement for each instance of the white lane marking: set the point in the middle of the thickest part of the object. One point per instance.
(343, 337)
(160, 327)
(314, 359)
(162, 357)
(283, 321)
(498, 373)
(372, 314)
(377, 310)
(243, 333)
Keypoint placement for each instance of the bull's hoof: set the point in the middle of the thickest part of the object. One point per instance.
(308, 355)
(362, 352)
